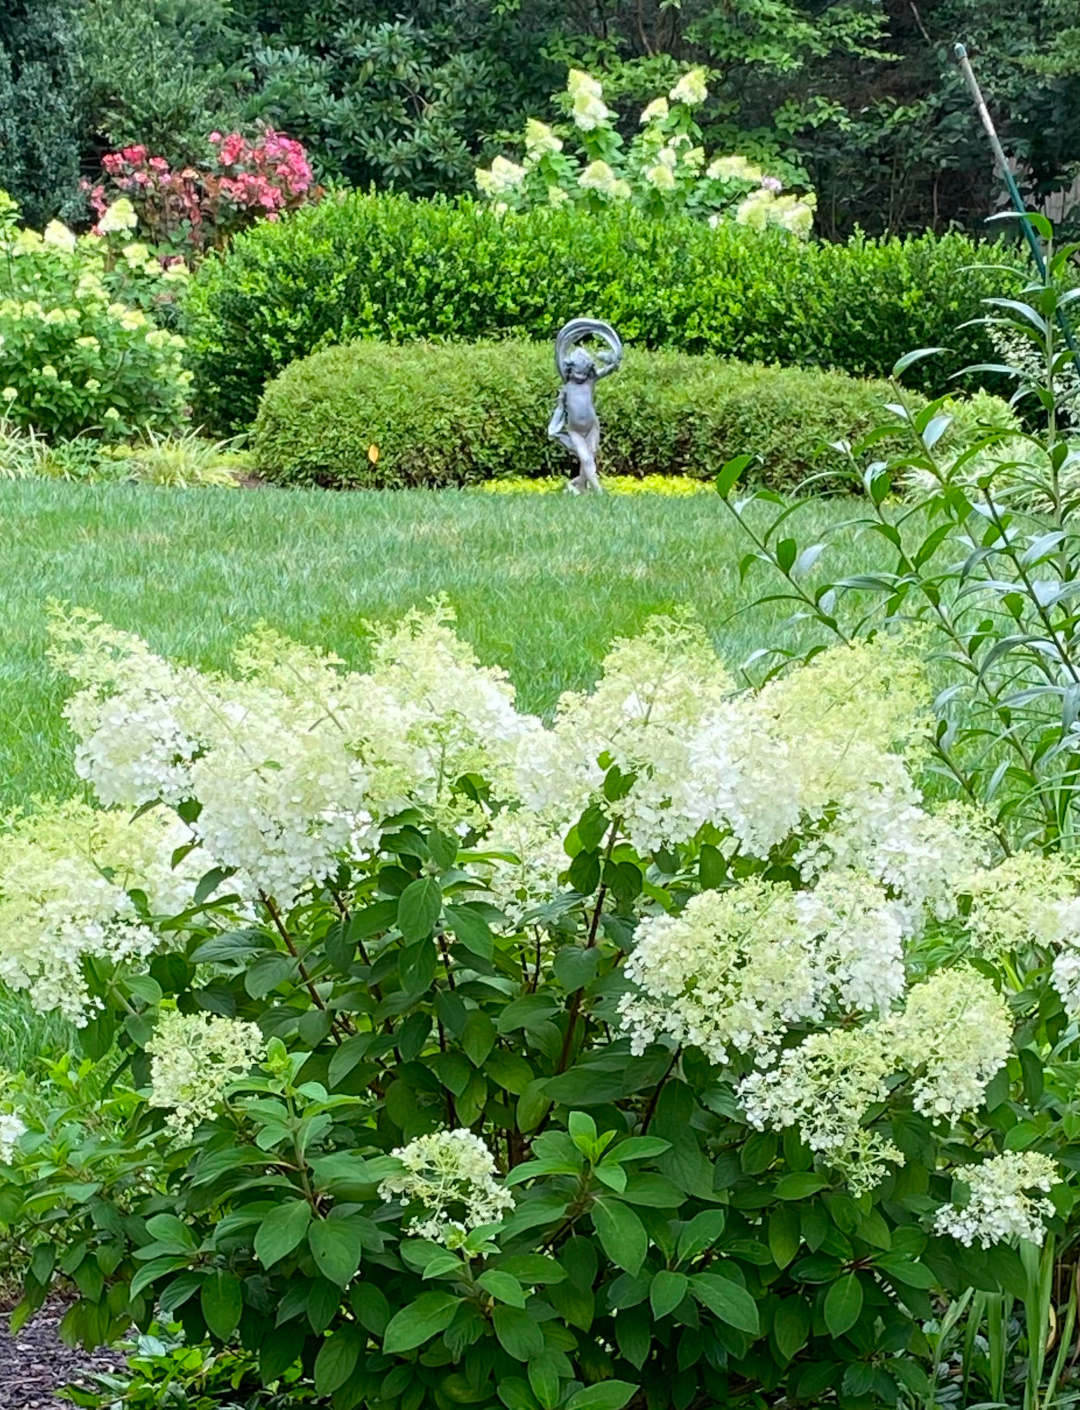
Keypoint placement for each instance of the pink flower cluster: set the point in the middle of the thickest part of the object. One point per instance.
(200, 207)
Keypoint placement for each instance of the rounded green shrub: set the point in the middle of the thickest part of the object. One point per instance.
(386, 267)
(375, 416)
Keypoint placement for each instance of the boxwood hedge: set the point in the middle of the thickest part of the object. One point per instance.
(387, 267)
(372, 416)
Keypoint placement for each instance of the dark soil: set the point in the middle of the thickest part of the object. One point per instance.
(36, 1363)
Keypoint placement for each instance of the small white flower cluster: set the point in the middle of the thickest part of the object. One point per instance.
(452, 1175)
(194, 1058)
(11, 1128)
(951, 1038)
(999, 1207)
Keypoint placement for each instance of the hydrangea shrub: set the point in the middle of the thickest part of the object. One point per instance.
(677, 1048)
(80, 349)
(663, 170)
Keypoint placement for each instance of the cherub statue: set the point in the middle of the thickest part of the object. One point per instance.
(574, 421)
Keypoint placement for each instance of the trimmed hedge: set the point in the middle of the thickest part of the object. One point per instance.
(387, 267)
(447, 414)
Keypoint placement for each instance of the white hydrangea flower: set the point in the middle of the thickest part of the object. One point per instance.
(540, 140)
(1000, 1208)
(65, 874)
(954, 1034)
(11, 1128)
(59, 237)
(120, 216)
(691, 89)
(1019, 903)
(660, 176)
(825, 1087)
(656, 111)
(738, 967)
(653, 691)
(533, 857)
(733, 169)
(589, 109)
(451, 1174)
(754, 210)
(194, 1058)
(598, 176)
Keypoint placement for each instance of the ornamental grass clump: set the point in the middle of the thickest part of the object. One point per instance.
(650, 1048)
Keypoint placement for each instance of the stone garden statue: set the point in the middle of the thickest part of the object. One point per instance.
(574, 421)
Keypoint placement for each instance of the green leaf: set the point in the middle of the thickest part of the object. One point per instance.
(281, 1231)
(516, 1395)
(544, 1379)
(222, 1302)
(533, 1268)
(666, 1292)
(843, 1304)
(171, 1233)
(419, 908)
(519, 1335)
(903, 363)
(905, 1270)
(335, 1246)
(622, 1234)
(605, 1395)
(791, 1326)
(801, 1184)
(638, 1148)
(729, 473)
(231, 945)
(701, 1233)
(502, 1286)
(656, 1191)
(371, 1307)
(478, 1037)
(726, 1300)
(423, 1319)
(337, 1359)
(155, 1269)
(471, 930)
(267, 973)
(784, 1235)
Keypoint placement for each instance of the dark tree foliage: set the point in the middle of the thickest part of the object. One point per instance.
(39, 109)
(862, 96)
(401, 95)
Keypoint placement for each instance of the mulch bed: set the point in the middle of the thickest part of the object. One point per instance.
(36, 1363)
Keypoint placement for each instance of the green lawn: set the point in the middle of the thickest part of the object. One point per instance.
(540, 583)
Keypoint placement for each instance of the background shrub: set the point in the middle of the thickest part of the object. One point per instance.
(447, 414)
(390, 268)
(77, 350)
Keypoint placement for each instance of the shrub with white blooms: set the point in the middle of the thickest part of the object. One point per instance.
(999, 1204)
(451, 1175)
(664, 167)
(695, 970)
(194, 1058)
